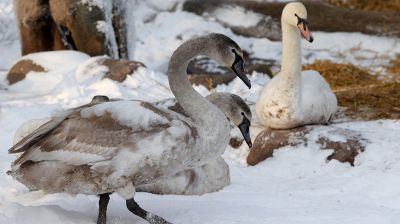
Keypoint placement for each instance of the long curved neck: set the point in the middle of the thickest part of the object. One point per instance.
(195, 105)
(291, 52)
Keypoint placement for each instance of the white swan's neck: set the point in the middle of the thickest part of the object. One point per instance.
(291, 52)
(196, 106)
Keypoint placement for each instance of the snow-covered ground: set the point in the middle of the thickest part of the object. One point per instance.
(297, 185)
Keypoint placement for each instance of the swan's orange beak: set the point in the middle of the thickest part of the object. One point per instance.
(305, 32)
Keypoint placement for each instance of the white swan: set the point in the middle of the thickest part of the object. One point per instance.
(115, 146)
(294, 98)
(210, 177)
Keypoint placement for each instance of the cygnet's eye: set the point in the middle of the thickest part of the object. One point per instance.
(243, 114)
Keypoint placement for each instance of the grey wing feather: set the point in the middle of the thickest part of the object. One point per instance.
(55, 121)
(39, 133)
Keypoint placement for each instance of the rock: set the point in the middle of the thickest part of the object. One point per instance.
(269, 140)
(206, 72)
(35, 25)
(47, 25)
(351, 143)
(236, 142)
(79, 23)
(119, 69)
(19, 70)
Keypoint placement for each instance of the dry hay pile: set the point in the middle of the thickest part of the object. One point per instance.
(363, 94)
(368, 5)
(343, 76)
(394, 68)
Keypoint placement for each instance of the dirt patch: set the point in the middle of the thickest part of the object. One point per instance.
(370, 5)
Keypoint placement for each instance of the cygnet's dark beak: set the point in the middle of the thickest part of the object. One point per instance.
(245, 129)
(238, 68)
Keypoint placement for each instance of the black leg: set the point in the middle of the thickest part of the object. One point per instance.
(150, 217)
(103, 203)
(329, 120)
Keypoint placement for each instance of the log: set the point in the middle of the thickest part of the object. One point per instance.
(322, 16)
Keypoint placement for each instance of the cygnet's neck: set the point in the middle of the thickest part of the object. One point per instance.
(196, 106)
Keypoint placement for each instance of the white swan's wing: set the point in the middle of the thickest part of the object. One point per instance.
(97, 133)
(317, 96)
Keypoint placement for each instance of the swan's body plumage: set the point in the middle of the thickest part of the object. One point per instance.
(209, 177)
(109, 142)
(294, 98)
(312, 102)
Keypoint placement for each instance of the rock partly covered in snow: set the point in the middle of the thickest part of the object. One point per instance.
(39, 63)
(206, 72)
(19, 70)
(346, 144)
(119, 69)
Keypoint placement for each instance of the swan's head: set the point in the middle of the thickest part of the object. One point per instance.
(236, 110)
(295, 14)
(227, 52)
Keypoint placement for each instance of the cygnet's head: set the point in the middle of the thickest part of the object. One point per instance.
(227, 52)
(295, 14)
(236, 110)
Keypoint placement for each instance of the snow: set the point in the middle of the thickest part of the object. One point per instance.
(297, 185)
(237, 16)
(122, 111)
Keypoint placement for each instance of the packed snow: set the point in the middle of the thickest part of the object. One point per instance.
(297, 185)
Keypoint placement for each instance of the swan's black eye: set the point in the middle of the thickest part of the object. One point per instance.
(234, 51)
(300, 20)
(243, 114)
